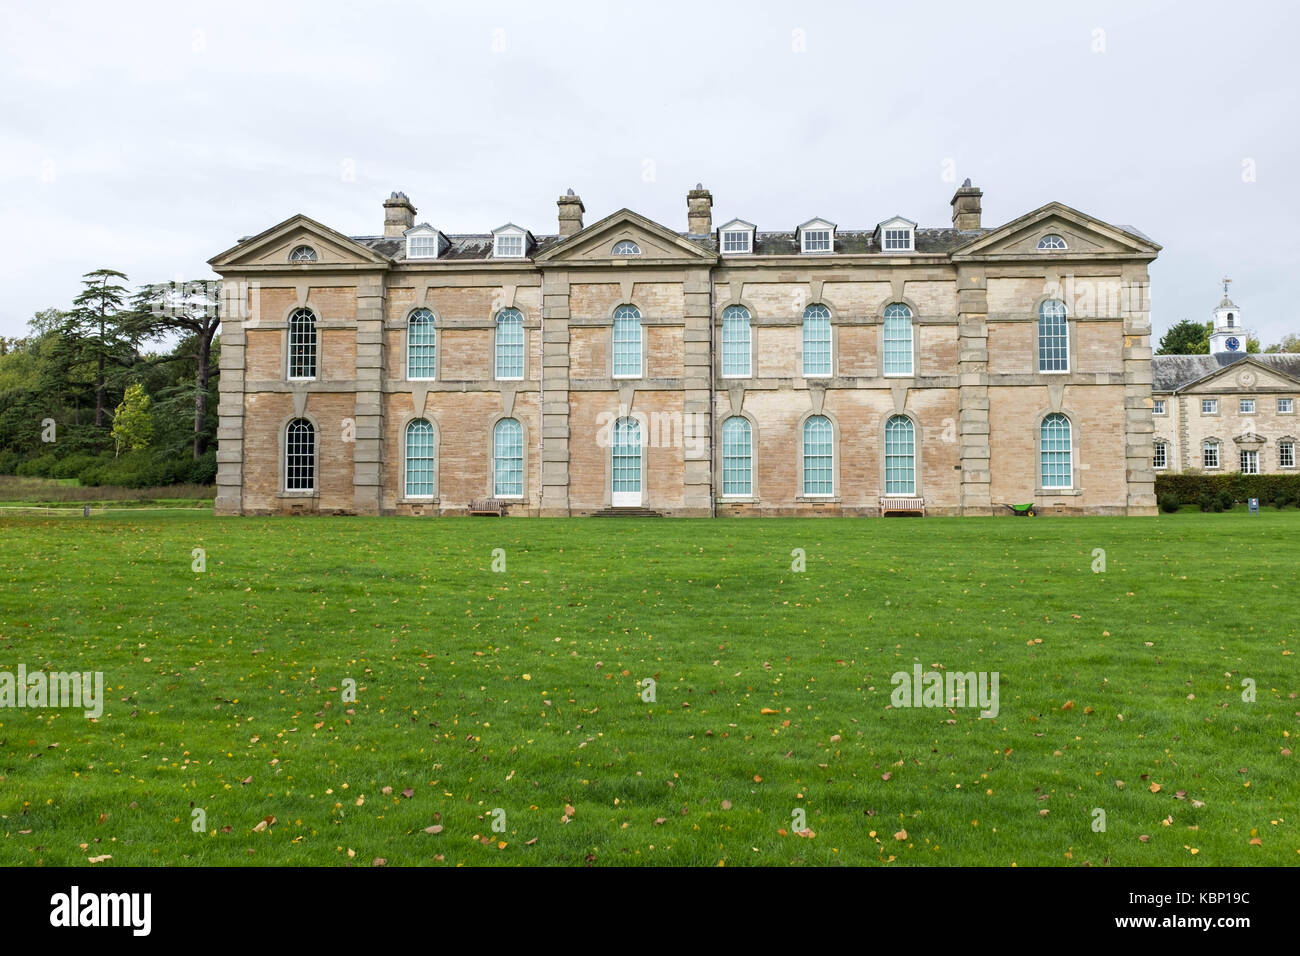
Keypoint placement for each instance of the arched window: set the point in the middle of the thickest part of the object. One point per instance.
(816, 340)
(736, 350)
(737, 458)
(1050, 242)
(1056, 453)
(818, 456)
(900, 456)
(626, 247)
(625, 463)
(508, 459)
(419, 459)
(1229, 320)
(1053, 337)
(898, 340)
(510, 344)
(300, 456)
(302, 344)
(302, 254)
(627, 342)
(421, 346)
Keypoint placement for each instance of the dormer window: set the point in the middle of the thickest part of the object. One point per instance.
(424, 242)
(1051, 243)
(736, 238)
(816, 235)
(896, 235)
(510, 242)
(302, 254)
(626, 247)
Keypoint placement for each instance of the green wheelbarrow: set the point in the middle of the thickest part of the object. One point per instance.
(1021, 511)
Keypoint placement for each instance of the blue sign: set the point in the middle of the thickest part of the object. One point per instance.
(1254, 506)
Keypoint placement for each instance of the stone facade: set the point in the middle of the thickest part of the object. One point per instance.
(959, 381)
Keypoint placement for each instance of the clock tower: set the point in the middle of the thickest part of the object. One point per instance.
(1228, 337)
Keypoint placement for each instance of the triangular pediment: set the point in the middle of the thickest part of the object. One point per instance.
(596, 243)
(271, 249)
(1084, 237)
(1245, 375)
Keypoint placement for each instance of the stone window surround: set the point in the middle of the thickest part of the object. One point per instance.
(835, 341)
(402, 498)
(1071, 337)
(834, 496)
(1204, 413)
(643, 424)
(754, 445)
(1218, 444)
(1076, 472)
(1279, 406)
(1164, 442)
(880, 337)
(282, 443)
(288, 334)
(492, 456)
(496, 326)
(641, 323)
(918, 445)
(1284, 440)
(753, 347)
(406, 344)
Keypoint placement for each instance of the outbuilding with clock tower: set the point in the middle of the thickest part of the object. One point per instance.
(1226, 411)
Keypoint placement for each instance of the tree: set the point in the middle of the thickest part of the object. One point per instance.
(93, 324)
(1186, 338)
(1289, 343)
(1252, 345)
(133, 421)
(193, 308)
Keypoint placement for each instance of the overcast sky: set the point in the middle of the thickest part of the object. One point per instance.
(147, 138)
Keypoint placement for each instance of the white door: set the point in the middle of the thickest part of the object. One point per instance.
(625, 459)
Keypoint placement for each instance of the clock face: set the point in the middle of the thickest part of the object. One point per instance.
(1232, 344)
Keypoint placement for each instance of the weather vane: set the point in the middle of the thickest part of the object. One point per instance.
(1226, 280)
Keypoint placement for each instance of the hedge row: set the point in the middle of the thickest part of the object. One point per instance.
(1188, 487)
(141, 469)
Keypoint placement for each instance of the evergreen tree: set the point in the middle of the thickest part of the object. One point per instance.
(94, 326)
(1186, 338)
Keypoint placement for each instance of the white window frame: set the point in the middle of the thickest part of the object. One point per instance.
(746, 240)
(1286, 446)
(729, 455)
(522, 457)
(911, 342)
(1158, 406)
(512, 237)
(803, 453)
(1241, 406)
(892, 236)
(1160, 458)
(828, 238)
(1247, 456)
(1209, 406)
(1046, 244)
(431, 457)
(1064, 319)
(623, 245)
(522, 345)
(1206, 447)
(313, 347)
(1068, 452)
(432, 327)
(425, 240)
(314, 463)
(294, 257)
(1289, 408)
(613, 342)
(731, 346)
(830, 341)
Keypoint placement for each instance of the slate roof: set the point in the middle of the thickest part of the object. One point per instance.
(1169, 373)
(847, 242)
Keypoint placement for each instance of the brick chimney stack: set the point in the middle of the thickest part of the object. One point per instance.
(571, 210)
(966, 207)
(399, 215)
(699, 211)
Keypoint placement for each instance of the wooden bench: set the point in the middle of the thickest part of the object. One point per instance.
(487, 506)
(902, 506)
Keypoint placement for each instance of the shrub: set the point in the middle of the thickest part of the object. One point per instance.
(1205, 501)
(1281, 501)
(37, 467)
(1189, 485)
(1169, 503)
(1225, 501)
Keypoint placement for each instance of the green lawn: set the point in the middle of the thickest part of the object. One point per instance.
(518, 691)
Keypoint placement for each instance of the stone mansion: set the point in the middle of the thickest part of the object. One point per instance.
(720, 370)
